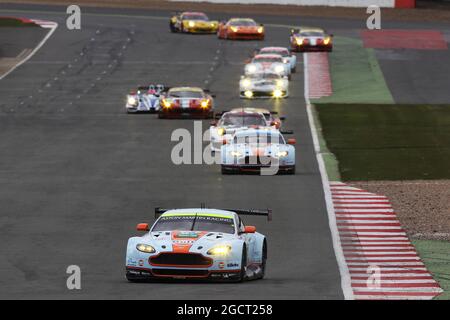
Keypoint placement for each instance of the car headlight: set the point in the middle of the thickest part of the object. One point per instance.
(282, 154)
(299, 41)
(223, 250)
(279, 69)
(260, 29)
(246, 83)
(236, 153)
(204, 104)
(248, 94)
(145, 248)
(251, 68)
(277, 93)
(285, 60)
(132, 101)
(327, 40)
(221, 131)
(166, 103)
(191, 24)
(234, 29)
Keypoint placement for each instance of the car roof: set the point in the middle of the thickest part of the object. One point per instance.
(310, 29)
(274, 49)
(203, 212)
(256, 110)
(241, 19)
(255, 131)
(266, 55)
(194, 12)
(244, 110)
(178, 89)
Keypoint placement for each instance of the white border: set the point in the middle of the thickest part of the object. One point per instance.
(343, 269)
(52, 26)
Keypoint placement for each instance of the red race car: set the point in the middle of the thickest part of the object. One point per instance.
(311, 39)
(186, 102)
(241, 29)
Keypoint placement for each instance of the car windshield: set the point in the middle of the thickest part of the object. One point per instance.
(284, 53)
(242, 23)
(259, 139)
(267, 59)
(193, 16)
(241, 120)
(186, 94)
(312, 34)
(208, 223)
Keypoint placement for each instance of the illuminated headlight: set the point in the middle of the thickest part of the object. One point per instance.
(285, 60)
(191, 24)
(260, 29)
(282, 154)
(299, 41)
(204, 104)
(277, 93)
(251, 68)
(236, 153)
(220, 251)
(166, 103)
(279, 69)
(221, 131)
(234, 29)
(327, 40)
(132, 100)
(145, 248)
(248, 94)
(246, 83)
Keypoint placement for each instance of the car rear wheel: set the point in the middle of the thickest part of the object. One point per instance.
(243, 271)
(172, 27)
(264, 260)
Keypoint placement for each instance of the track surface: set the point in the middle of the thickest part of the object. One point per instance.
(77, 173)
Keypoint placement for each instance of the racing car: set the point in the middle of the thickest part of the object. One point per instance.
(229, 122)
(311, 39)
(268, 63)
(253, 150)
(241, 29)
(144, 99)
(263, 85)
(192, 22)
(181, 102)
(288, 57)
(200, 244)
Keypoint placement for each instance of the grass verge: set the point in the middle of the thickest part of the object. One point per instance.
(355, 75)
(388, 142)
(436, 256)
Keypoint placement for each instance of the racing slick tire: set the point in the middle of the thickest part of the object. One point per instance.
(264, 260)
(243, 272)
(291, 171)
(172, 27)
(294, 70)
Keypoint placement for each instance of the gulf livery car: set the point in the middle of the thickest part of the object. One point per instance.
(254, 149)
(237, 119)
(241, 29)
(288, 57)
(144, 99)
(311, 39)
(263, 85)
(198, 243)
(272, 63)
(192, 22)
(186, 102)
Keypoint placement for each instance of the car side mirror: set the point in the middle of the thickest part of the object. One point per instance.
(282, 118)
(143, 227)
(292, 141)
(250, 229)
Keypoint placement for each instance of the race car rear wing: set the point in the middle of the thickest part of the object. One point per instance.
(244, 212)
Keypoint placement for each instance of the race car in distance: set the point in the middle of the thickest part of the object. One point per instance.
(182, 102)
(252, 150)
(192, 22)
(144, 99)
(230, 122)
(268, 63)
(288, 57)
(311, 39)
(263, 85)
(198, 243)
(241, 29)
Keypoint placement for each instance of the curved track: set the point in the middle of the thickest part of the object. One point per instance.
(77, 173)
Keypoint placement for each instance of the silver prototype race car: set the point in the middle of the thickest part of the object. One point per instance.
(264, 85)
(145, 99)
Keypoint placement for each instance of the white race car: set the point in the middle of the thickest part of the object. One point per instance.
(288, 57)
(222, 131)
(263, 85)
(268, 63)
(144, 99)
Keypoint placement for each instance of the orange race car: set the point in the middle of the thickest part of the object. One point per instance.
(241, 29)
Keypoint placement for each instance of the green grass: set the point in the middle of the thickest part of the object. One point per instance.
(356, 75)
(13, 22)
(436, 256)
(388, 142)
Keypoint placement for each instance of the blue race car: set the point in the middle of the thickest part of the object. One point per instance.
(199, 244)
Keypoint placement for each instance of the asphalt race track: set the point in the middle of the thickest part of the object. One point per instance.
(78, 174)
